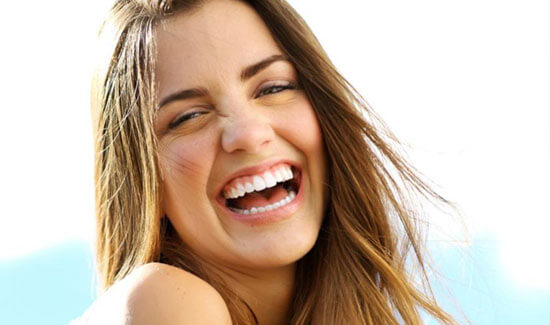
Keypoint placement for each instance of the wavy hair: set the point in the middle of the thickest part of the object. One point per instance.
(358, 272)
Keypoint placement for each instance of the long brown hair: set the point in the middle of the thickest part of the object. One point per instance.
(358, 272)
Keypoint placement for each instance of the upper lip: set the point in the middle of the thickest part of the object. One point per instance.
(254, 170)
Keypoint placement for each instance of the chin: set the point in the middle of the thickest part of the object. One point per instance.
(281, 248)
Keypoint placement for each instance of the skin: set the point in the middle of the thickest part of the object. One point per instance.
(157, 293)
(235, 125)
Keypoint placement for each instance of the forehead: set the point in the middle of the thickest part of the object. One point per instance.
(218, 39)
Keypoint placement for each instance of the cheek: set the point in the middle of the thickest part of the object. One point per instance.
(186, 156)
(301, 128)
(186, 163)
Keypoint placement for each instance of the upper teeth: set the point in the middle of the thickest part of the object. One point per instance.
(248, 184)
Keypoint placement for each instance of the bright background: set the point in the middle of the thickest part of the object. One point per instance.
(464, 83)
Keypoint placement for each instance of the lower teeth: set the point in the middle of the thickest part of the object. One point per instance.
(289, 198)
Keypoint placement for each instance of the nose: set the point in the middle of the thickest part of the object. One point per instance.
(247, 131)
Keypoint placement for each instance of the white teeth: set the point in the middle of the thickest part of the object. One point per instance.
(278, 175)
(240, 189)
(259, 183)
(269, 180)
(289, 198)
(288, 173)
(249, 188)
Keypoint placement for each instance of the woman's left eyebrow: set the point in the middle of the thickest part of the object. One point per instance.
(247, 73)
(253, 69)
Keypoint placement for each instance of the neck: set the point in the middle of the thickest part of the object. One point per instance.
(267, 292)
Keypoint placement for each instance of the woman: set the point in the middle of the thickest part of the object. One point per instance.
(237, 181)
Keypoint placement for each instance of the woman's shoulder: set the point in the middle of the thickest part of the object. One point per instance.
(157, 293)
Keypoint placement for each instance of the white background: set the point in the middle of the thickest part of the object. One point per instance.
(464, 83)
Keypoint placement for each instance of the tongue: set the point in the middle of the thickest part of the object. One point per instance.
(262, 198)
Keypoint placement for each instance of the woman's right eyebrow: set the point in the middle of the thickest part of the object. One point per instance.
(184, 94)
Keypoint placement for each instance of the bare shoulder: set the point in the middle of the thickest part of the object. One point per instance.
(157, 293)
(164, 294)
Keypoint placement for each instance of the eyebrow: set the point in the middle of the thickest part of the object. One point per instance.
(246, 74)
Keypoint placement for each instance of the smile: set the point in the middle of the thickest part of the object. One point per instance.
(266, 191)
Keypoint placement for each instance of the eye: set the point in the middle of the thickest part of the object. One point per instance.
(274, 89)
(184, 118)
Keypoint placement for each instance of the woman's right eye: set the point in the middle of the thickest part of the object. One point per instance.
(184, 118)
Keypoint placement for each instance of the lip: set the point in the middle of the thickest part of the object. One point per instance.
(267, 217)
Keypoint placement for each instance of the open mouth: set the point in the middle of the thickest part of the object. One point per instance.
(267, 191)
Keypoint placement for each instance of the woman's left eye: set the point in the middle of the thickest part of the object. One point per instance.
(274, 89)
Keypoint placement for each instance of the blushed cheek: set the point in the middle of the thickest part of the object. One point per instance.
(186, 162)
(303, 129)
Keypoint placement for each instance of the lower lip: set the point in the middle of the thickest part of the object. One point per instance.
(267, 217)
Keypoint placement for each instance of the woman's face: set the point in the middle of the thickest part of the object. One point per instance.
(241, 151)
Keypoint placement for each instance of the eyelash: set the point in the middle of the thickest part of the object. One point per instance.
(280, 88)
(175, 123)
(270, 90)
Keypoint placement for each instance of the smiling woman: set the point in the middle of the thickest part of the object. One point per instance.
(236, 180)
